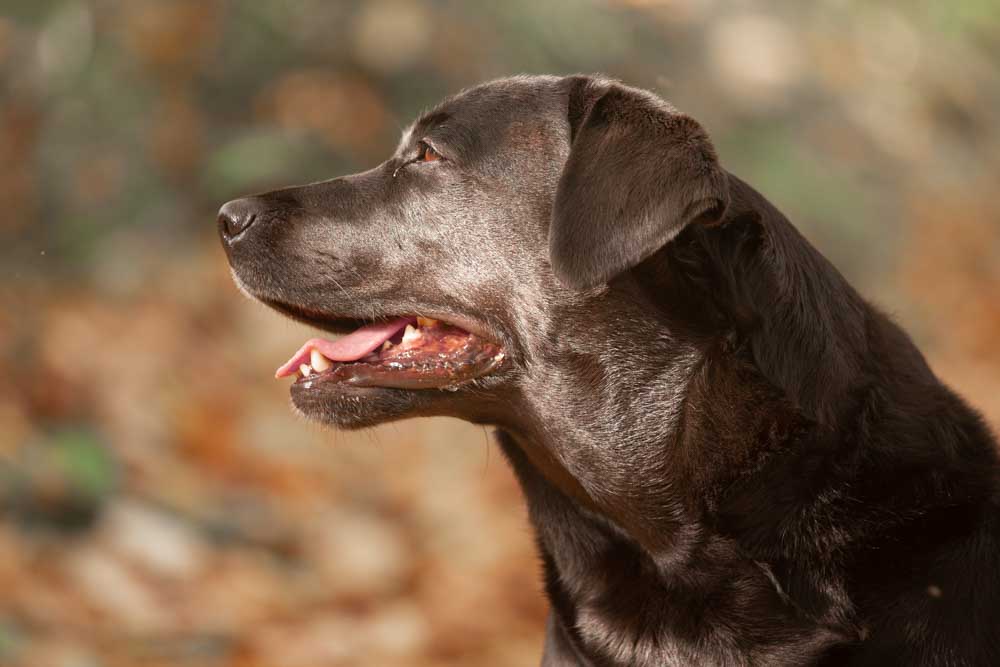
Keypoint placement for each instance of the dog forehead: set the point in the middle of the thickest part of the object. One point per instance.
(495, 105)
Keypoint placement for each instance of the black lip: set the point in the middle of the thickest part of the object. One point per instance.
(337, 325)
(475, 358)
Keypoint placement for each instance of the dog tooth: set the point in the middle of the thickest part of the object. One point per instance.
(425, 322)
(386, 345)
(318, 361)
(410, 333)
(305, 370)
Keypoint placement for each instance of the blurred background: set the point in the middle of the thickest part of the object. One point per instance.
(160, 505)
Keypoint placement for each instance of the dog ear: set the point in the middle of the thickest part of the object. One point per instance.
(638, 172)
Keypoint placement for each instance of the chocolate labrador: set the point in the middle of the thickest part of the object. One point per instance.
(729, 457)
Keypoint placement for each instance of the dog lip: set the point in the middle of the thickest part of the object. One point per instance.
(346, 322)
(473, 361)
(338, 324)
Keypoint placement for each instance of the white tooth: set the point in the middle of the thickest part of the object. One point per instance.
(410, 334)
(305, 370)
(318, 361)
(425, 322)
(386, 345)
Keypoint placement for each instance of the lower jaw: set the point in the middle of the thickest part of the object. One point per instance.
(440, 374)
(349, 407)
(359, 395)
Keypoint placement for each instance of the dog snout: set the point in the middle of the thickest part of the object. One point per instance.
(236, 217)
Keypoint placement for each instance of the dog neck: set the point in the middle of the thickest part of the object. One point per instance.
(719, 409)
(628, 548)
(622, 573)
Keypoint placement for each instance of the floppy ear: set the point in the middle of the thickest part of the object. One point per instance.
(638, 172)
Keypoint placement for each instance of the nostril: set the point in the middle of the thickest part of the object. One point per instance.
(236, 225)
(235, 217)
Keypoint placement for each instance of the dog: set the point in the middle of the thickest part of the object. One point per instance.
(728, 456)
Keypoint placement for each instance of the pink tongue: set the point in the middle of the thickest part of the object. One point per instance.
(351, 347)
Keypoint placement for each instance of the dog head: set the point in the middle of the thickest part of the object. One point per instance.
(486, 269)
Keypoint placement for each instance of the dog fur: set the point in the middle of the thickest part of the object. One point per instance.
(728, 456)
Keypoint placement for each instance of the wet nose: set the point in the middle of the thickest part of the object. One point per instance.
(236, 217)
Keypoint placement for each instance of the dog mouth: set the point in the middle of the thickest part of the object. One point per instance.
(408, 352)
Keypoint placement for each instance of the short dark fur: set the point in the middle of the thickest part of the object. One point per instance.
(729, 457)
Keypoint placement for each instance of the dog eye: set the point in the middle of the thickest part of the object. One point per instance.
(426, 153)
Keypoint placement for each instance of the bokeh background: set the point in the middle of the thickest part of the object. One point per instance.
(160, 505)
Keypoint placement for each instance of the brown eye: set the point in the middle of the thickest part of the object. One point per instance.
(427, 153)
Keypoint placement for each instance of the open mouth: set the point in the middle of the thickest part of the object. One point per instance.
(401, 353)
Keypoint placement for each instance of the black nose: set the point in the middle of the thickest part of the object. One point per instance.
(236, 217)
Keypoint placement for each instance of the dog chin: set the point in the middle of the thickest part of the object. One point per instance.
(352, 408)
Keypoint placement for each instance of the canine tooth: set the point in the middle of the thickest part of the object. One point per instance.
(305, 370)
(410, 333)
(318, 361)
(425, 322)
(386, 345)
